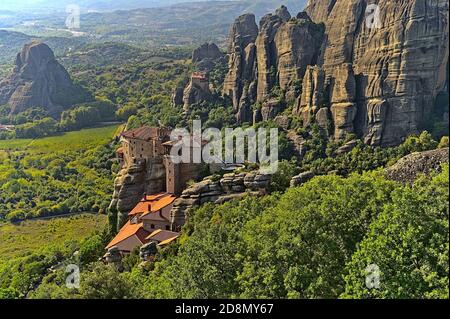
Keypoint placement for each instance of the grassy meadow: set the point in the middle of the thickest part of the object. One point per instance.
(20, 239)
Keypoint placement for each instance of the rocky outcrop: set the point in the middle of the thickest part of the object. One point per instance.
(196, 91)
(240, 79)
(283, 13)
(298, 143)
(347, 147)
(266, 52)
(207, 51)
(38, 80)
(177, 96)
(275, 55)
(342, 91)
(206, 56)
(298, 42)
(133, 181)
(399, 64)
(230, 187)
(408, 168)
(301, 179)
(271, 108)
(374, 74)
(312, 96)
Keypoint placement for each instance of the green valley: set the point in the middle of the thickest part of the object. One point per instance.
(57, 175)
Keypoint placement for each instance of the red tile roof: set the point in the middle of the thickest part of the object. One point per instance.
(127, 231)
(152, 204)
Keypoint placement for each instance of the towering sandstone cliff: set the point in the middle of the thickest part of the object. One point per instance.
(38, 80)
(375, 73)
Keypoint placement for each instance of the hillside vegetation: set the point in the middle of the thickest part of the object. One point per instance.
(314, 241)
(57, 175)
(21, 239)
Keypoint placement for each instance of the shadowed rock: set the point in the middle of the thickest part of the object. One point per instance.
(38, 80)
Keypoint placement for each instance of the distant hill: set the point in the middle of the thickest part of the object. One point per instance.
(11, 42)
(108, 5)
(182, 24)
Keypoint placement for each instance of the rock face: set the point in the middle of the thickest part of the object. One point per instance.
(207, 51)
(408, 168)
(132, 182)
(196, 91)
(231, 186)
(298, 42)
(372, 73)
(275, 55)
(301, 179)
(283, 13)
(311, 99)
(266, 52)
(394, 68)
(240, 80)
(38, 80)
(177, 96)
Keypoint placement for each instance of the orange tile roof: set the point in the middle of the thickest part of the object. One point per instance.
(127, 231)
(120, 150)
(152, 204)
(162, 235)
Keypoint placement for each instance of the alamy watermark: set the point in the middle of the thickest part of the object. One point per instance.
(73, 277)
(373, 16)
(227, 147)
(73, 18)
(373, 276)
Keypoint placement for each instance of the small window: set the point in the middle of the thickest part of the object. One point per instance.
(167, 227)
(152, 226)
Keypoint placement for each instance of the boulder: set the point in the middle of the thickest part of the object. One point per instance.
(301, 179)
(408, 168)
(148, 250)
(347, 147)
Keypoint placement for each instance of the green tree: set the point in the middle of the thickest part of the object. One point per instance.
(409, 244)
(299, 248)
(105, 282)
(91, 249)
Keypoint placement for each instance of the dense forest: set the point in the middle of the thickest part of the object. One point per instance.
(333, 226)
(314, 241)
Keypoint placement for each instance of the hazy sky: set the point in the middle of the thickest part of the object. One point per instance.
(85, 4)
